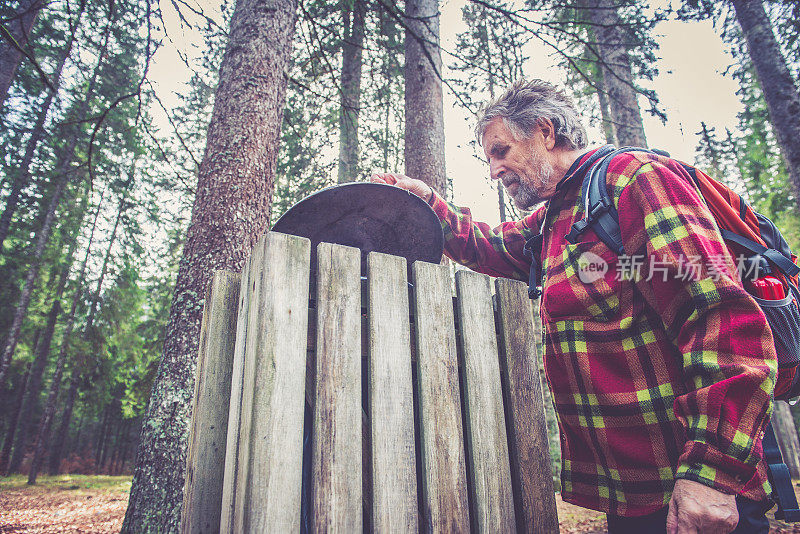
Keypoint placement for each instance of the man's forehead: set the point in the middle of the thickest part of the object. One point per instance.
(496, 130)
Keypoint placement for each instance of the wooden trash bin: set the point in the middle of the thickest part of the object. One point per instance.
(445, 393)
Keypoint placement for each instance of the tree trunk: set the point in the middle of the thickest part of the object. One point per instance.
(12, 424)
(780, 92)
(104, 269)
(108, 459)
(490, 75)
(605, 113)
(786, 433)
(22, 175)
(424, 128)
(57, 445)
(615, 64)
(32, 392)
(389, 32)
(10, 55)
(112, 465)
(62, 173)
(75, 444)
(352, 45)
(231, 211)
(101, 441)
(590, 53)
(125, 447)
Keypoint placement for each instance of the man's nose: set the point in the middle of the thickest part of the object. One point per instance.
(496, 171)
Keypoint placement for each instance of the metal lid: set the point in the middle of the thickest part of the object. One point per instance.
(369, 216)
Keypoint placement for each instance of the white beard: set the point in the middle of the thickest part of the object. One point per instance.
(529, 191)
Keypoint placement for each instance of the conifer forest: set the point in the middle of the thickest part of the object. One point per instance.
(145, 144)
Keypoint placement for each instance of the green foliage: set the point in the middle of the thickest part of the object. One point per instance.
(99, 131)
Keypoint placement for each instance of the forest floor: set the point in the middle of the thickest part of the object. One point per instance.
(64, 503)
(96, 504)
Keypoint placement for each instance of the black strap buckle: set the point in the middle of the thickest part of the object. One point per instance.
(599, 208)
(577, 229)
(779, 478)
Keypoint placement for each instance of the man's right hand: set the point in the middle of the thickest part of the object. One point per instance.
(418, 187)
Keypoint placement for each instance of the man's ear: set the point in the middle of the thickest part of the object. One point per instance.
(548, 133)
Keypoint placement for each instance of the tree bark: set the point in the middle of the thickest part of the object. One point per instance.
(101, 441)
(231, 211)
(12, 424)
(353, 14)
(615, 64)
(605, 115)
(780, 92)
(57, 445)
(62, 173)
(483, 33)
(108, 459)
(31, 399)
(119, 468)
(424, 127)
(19, 29)
(22, 175)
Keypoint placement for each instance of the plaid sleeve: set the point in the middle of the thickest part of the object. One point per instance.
(496, 252)
(728, 357)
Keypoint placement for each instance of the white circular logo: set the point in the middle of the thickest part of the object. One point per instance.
(591, 267)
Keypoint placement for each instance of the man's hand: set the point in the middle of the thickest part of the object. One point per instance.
(418, 187)
(698, 509)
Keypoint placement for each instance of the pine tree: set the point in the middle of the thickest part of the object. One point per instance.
(778, 86)
(16, 28)
(424, 114)
(353, 14)
(230, 212)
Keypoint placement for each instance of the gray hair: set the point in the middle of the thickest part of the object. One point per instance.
(526, 103)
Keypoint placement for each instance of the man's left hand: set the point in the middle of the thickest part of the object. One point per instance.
(695, 508)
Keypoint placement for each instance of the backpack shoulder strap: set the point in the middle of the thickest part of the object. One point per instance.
(600, 213)
(533, 245)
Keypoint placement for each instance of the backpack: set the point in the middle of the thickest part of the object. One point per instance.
(744, 231)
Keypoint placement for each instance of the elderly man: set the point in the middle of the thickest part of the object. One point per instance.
(661, 382)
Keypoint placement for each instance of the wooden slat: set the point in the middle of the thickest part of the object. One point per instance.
(488, 459)
(336, 449)
(271, 430)
(445, 506)
(394, 486)
(530, 451)
(202, 498)
(237, 384)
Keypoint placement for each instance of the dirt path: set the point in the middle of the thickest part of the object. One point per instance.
(96, 504)
(67, 503)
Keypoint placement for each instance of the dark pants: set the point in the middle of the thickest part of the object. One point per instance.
(751, 520)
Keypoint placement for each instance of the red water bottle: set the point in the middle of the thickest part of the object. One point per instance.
(768, 287)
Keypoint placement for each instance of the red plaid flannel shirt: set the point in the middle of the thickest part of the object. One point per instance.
(654, 377)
